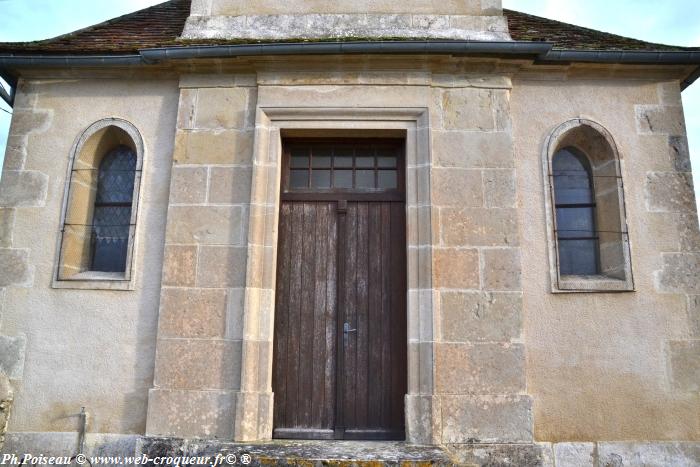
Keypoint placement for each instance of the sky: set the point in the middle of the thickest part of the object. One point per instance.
(673, 22)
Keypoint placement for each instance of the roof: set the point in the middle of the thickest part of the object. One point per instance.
(161, 25)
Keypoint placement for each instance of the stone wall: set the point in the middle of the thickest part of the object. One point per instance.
(614, 366)
(68, 348)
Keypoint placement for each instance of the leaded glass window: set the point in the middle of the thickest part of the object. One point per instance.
(112, 215)
(575, 207)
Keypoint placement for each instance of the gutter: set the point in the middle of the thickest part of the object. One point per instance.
(542, 51)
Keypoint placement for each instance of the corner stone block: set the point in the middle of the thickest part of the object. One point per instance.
(229, 147)
(457, 188)
(456, 269)
(222, 267)
(480, 368)
(680, 154)
(667, 120)
(468, 109)
(190, 414)
(188, 185)
(689, 232)
(12, 351)
(670, 192)
(499, 188)
(16, 152)
(475, 316)
(198, 364)
(479, 227)
(221, 108)
(680, 273)
(230, 185)
(193, 313)
(23, 188)
(179, 265)
(486, 419)
(14, 268)
(25, 122)
(574, 455)
(473, 149)
(205, 225)
(7, 223)
(502, 269)
(685, 365)
(502, 455)
(694, 315)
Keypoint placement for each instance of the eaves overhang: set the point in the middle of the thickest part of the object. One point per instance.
(541, 52)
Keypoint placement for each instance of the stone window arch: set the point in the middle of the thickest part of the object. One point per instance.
(101, 206)
(585, 210)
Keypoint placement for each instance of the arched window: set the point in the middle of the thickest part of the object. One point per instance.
(575, 208)
(99, 220)
(112, 215)
(585, 210)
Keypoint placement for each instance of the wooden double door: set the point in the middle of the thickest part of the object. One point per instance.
(340, 316)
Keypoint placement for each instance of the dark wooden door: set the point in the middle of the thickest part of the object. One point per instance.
(340, 316)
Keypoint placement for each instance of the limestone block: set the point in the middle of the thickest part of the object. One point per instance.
(685, 365)
(28, 121)
(15, 152)
(422, 419)
(270, 7)
(670, 191)
(574, 455)
(230, 147)
(652, 454)
(430, 21)
(188, 185)
(205, 225)
(662, 229)
(12, 351)
(230, 185)
(474, 316)
(222, 266)
(501, 455)
(457, 187)
(480, 368)
(479, 227)
(192, 313)
(198, 364)
(680, 273)
(179, 265)
(670, 93)
(186, 108)
(23, 188)
(456, 269)
(689, 232)
(680, 154)
(694, 315)
(221, 108)
(234, 314)
(190, 414)
(7, 224)
(499, 188)
(472, 149)
(501, 269)
(468, 109)
(667, 120)
(14, 268)
(486, 419)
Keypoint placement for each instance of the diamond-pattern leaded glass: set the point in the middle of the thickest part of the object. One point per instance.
(112, 215)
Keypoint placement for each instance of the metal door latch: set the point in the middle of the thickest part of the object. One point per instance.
(346, 328)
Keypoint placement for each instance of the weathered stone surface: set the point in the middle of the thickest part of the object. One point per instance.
(652, 454)
(240, 7)
(189, 414)
(192, 313)
(574, 455)
(501, 269)
(15, 268)
(468, 109)
(694, 315)
(680, 154)
(474, 316)
(456, 269)
(667, 120)
(23, 188)
(499, 188)
(222, 266)
(685, 365)
(179, 265)
(473, 149)
(670, 191)
(6, 400)
(7, 224)
(230, 185)
(188, 185)
(680, 273)
(501, 455)
(422, 419)
(689, 232)
(480, 368)
(221, 108)
(198, 364)
(486, 419)
(230, 147)
(15, 152)
(479, 227)
(457, 187)
(28, 121)
(12, 356)
(205, 225)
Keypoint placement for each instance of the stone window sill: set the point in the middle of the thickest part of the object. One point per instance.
(599, 283)
(95, 280)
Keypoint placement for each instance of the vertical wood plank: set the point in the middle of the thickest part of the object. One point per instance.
(294, 327)
(351, 277)
(308, 284)
(361, 336)
(279, 376)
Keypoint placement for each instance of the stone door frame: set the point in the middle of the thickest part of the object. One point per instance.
(254, 402)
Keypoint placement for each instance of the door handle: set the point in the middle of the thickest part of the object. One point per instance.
(347, 330)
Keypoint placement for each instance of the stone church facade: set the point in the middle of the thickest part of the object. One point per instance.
(441, 223)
